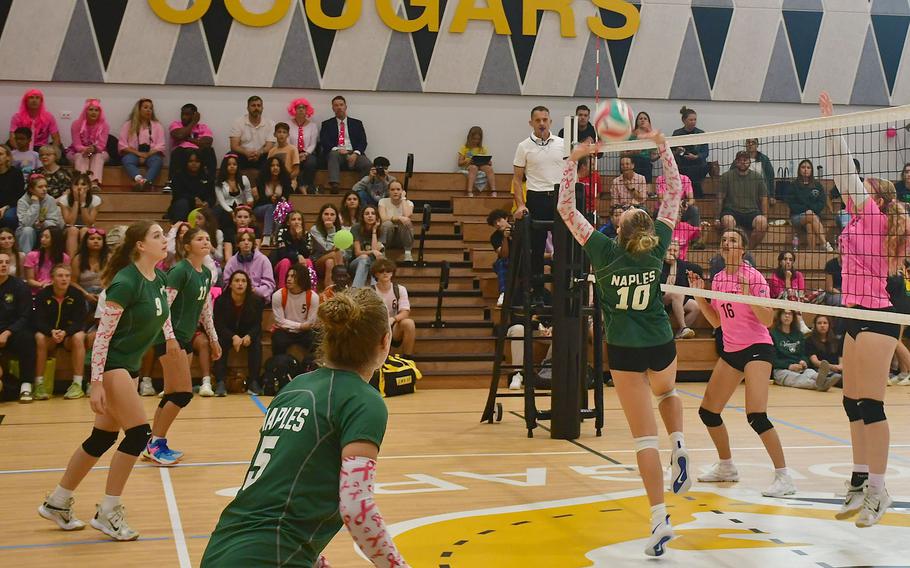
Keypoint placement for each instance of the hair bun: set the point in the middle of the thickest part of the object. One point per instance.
(339, 312)
(684, 110)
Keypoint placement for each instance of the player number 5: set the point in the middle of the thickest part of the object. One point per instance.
(262, 460)
(640, 297)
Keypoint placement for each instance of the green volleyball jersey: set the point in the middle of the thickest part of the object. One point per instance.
(630, 295)
(145, 310)
(192, 293)
(286, 511)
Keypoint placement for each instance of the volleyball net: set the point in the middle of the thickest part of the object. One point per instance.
(787, 186)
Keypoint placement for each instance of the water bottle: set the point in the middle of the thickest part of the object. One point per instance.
(795, 242)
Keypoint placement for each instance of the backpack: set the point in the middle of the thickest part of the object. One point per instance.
(279, 371)
(284, 301)
(395, 291)
(397, 376)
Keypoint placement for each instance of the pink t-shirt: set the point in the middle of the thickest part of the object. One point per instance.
(42, 272)
(391, 303)
(864, 258)
(737, 321)
(201, 130)
(685, 234)
(779, 285)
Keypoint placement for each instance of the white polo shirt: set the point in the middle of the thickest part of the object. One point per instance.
(253, 137)
(542, 160)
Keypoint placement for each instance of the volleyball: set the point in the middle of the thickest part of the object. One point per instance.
(614, 120)
(343, 239)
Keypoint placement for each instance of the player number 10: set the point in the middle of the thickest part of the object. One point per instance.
(640, 297)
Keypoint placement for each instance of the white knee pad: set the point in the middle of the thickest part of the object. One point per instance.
(666, 395)
(646, 443)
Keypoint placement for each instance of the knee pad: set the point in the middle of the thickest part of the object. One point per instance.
(135, 440)
(851, 407)
(759, 422)
(99, 442)
(872, 410)
(710, 419)
(646, 443)
(666, 395)
(181, 399)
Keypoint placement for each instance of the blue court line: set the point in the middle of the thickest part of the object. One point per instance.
(137, 466)
(829, 437)
(88, 542)
(258, 402)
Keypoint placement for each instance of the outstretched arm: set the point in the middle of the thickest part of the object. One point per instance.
(669, 206)
(841, 160)
(579, 226)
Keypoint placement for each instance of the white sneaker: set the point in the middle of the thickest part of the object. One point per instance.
(875, 505)
(63, 516)
(828, 247)
(516, 382)
(719, 473)
(113, 524)
(901, 379)
(146, 388)
(679, 468)
(500, 299)
(266, 240)
(853, 501)
(206, 390)
(804, 329)
(660, 535)
(407, 256)
(685, 333)
(781, 486)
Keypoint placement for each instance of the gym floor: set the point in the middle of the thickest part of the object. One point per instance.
(460, 493)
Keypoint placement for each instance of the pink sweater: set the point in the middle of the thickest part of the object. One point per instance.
(154, 137)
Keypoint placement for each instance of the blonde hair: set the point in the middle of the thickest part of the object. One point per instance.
(353, 324)
(135, 121)
(896, 241)
(636, 233)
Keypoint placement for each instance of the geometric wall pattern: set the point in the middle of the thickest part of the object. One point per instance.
(729, 50)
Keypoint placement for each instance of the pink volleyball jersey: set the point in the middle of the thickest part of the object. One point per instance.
(737, 321)
(864, 258)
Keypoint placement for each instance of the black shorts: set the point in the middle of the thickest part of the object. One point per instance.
(743, 220)
(641, 359)
(755, 352)
(161, 348)
(853, 327)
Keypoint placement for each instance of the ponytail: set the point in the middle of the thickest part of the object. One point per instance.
(637, 232)
(894, 210)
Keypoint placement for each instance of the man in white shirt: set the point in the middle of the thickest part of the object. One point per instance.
(540, 159)
(252, 136)
(344, 143)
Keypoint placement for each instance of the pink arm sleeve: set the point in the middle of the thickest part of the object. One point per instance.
(570, 214)
(110, 317)
(669, 207)
(168, 327)
(361, 515)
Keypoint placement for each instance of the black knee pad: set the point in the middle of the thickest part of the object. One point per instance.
(99, 442)
(872, 410)
(759, 422)
(181, 399)
(710, 419)
(135, 440)
(851, 407)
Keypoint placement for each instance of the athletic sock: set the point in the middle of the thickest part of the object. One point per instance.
(876, 480)
(39, 379)
(658, 514)
(726, 461)
(109, 502)
(146, 379)
(781, 471)
(206, 380)
(59, 496)
(676, 438)
(77, 379)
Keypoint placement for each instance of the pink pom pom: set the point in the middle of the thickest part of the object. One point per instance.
(891, 132)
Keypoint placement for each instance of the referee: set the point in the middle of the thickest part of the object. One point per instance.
(539, 159)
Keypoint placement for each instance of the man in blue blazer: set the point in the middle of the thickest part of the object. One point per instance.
(344, 142)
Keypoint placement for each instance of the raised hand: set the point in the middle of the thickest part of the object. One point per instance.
(825, 105)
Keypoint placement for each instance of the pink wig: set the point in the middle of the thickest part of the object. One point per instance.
(292, 109)
(82, 121)
(43, 117)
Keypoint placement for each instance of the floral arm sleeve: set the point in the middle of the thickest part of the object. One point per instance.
(208, 321)
(110, 317)
(168, 327)
(579, 226)
(669, 207)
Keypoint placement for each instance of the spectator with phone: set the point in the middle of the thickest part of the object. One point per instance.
(375, 186)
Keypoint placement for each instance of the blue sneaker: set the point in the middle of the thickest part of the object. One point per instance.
(159, 453)
(679, 468)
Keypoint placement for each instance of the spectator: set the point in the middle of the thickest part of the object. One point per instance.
(24, 157)
(252, 136)
(395, 212)
(90, 131)
(516, 333)
(501, 241)
(79, 208)
(190, 133)
(38, 263)
(833, 281)
(292, 247)
(294, 307)
(243, 219)
(207, 221)
(367, 246)
(591, 183)
(344, 142)
(475, 161)
(683, 309)
(232, 190)
(610, 227)
(142, 143)
(787, 283)
(760, 164)
(743, 200)
(286, 152)
(15, 326)
(322, 242)
(823, 345)
(190, 189)
(791, 368)
(89, 262)
(629, 189)
(12, 188)
(174, 253)
(58, 178)
(693, 159)
(33, 115)
(9, 247)
(341, 281)
(36, 210)
(303, 135)
(273, 186)
(60, 314)
(586, 131)
(349, 211)
(254, 263)
(238, 323)
(903, 186)
(807, 200)
(643, 159)
(375, 186)
(395, 296)
(688, 229)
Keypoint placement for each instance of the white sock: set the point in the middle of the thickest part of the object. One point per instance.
(658, 514)
(155, 438)
(146, 379)
(59, 496)
(676, 438)
(206, 380)
(726, 462)
(781, 471)
(108, 502)
(39, 379)
(77, 379)
(860, 468)
(25, 387)
(877, 480)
